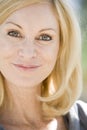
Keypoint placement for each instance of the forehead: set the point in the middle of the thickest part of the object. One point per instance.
(41, 13)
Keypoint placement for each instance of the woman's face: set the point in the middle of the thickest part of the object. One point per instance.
(29, 43)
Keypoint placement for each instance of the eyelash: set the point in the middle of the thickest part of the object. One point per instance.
(45, 36)
(14, 33)
(42, 37)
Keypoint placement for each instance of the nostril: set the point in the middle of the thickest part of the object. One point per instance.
(27, 52)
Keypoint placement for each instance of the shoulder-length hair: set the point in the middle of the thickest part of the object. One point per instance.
(63, 86)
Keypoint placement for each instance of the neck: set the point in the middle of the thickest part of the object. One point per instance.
(25, 105)
(25, 112)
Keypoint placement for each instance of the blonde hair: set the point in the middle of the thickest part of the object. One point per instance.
(63, 86)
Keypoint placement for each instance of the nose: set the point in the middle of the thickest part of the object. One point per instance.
(27, 50)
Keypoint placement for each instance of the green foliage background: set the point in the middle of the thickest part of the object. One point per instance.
(84, 39)
(83, 22)
(80, 8)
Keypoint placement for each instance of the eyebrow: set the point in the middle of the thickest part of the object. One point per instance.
(14, 24)
(45, 29)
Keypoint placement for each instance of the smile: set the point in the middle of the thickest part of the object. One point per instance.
(26, 68)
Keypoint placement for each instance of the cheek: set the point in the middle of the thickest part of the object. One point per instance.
(6, 49)
(51, 53)
(50, 57)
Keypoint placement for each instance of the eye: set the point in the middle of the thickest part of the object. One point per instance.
(45, 37)
(14, 33)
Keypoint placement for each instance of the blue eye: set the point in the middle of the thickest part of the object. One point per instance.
(14, 33)
(45, 37)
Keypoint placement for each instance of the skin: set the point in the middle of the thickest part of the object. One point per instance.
(26, 59)
(27, 49)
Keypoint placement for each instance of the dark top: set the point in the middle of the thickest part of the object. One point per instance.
(76, 118)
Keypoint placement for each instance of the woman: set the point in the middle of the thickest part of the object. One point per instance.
(40, 79)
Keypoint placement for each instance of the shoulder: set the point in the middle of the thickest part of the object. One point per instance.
(77, 116)
(82, 113)
(82, 108)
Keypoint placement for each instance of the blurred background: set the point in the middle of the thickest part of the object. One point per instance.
(80, 8)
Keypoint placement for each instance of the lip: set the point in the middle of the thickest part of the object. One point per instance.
(26, 67)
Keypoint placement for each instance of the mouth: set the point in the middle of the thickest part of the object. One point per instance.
(26, 67)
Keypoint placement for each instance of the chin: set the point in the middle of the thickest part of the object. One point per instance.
(23, 83)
